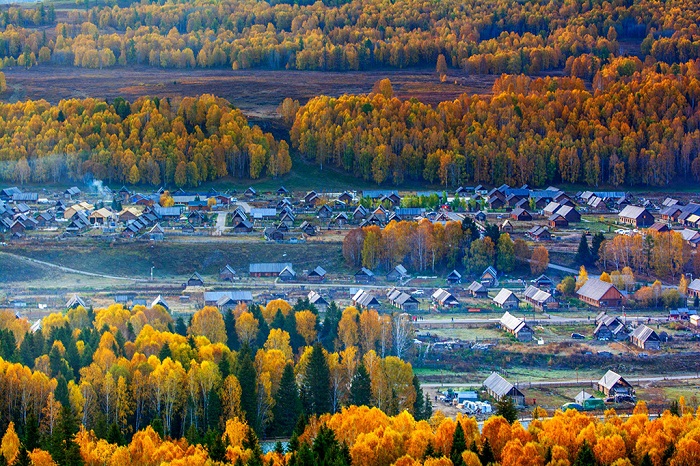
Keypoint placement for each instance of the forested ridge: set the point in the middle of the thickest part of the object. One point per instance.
(150, 141)
(638, 126)
(479, 36)
(263, 369)
(117, 386)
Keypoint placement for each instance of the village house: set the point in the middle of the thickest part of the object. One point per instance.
(612, 384)
(70, 193)
(443, 298)
(398, 273)
(365, 300)
(403, 301)
(539, 233)
(74, 302)
(195, 280)
(316, 275)
(340, 219)
(540, 299)
(598, 293)
(226, 300)
(556, 221)
(364, 275)
(660, 227)
(477, 290)
(520, 214)
(454, 278)
(169, 213)
(307, 228)
(670, 213)
(100, 216)
(645, 338)
(311, 198)
(506, 299)
(287, 274)
(692, 237)
(269, 269)
(156, 233)
(489, 278)
(227, 274)
(324, 211)
(544, 282)
(128, 214)
(694, 288)
(317, 300)
(506, 226)
(346, 197)
(636, 216)
(242, 226)
(609, 328)
(273, 234)
(516, 327)
(497, 387)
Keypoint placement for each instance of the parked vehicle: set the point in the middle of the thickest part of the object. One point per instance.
(577, 336)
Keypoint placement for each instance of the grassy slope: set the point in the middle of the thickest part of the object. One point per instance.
(181, 259)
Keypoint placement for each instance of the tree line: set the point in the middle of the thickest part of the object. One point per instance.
(360, 435)
(150, 141)
(116, 371)
(425, 245)
(478, 36)
(640, 126)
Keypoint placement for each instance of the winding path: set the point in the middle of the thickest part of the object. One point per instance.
(69, 270)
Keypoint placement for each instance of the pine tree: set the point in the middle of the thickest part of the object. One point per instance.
(487, 456)
(597, 240)
(429, 451)
(114, 435)
(180, 327)
(646, 460)
(583, 255)
(61, 391)
(231, 335)
(278, 321)
(419, 404)
(64, 450)
(22, 458)
(329, 330)
(165, 352)
(215, 445)
(290, 326)
(250, 442)
(263, 328)
(585, 456)
(506, 407)
(26, 350)
(287, 404)
(316, 393)
(459, 445)
(247, 378)
(32, 435)
(361, 387)
(327, 450)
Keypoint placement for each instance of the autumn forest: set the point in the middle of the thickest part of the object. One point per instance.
(592, 93)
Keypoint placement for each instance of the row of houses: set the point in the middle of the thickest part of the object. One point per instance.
(611, 384)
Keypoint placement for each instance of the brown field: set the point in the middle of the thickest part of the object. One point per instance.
(256, 92)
